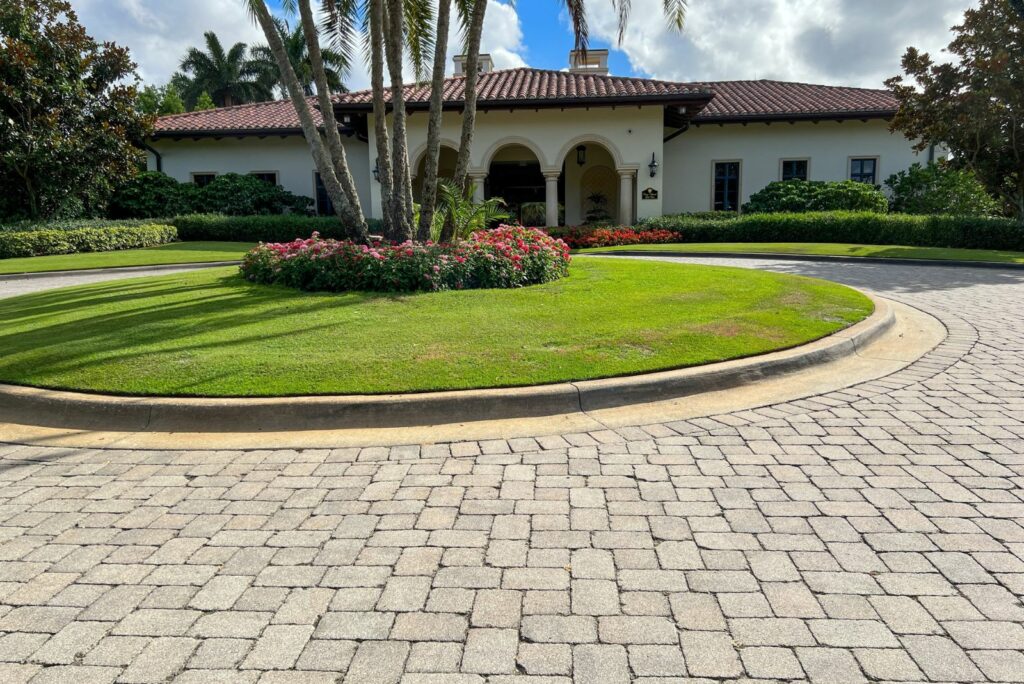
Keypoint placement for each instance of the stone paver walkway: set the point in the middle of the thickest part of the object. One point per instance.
(869, 534)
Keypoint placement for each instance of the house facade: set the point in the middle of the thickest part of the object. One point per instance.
(565, 146)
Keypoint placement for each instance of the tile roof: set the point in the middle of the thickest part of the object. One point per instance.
(729, 100)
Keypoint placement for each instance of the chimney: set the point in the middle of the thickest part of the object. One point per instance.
(589, 62)
(484, 64)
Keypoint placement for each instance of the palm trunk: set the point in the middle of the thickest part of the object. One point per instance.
(321, 157)
(474, 33)
(323, 92)
(402, 188)
(428, 199)
(380, 122)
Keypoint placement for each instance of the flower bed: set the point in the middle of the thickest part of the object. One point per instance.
(579, 238)
(505, 257)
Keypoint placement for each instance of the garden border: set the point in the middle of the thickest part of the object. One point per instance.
(81, 411)
(903, 261)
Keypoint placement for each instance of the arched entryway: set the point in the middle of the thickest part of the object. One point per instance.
(593, 186)
(445, 169)
(514, 174)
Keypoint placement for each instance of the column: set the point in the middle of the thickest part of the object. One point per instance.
(551, 199)
(478, 186)
(626, 197)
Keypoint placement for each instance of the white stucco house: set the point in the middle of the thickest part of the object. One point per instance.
(648, 147)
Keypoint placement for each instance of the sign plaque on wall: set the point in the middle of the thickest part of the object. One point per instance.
(649, 193)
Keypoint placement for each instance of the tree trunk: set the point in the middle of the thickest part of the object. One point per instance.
(321, 157)
(402, 188)
(380, 121)
(428, 198)
(473, 35)
(323, 92)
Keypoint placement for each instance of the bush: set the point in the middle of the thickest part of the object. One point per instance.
(261, 228)
(939, 189)
(154, 194)
(506, 257)
(802, 196)
(852, 227)
(75, 224)
(43, 241)
(579, 238)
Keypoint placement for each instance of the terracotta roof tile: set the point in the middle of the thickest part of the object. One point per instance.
(731, 101)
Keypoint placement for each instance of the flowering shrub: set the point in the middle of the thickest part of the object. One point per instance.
(508, 256)
(578, 238)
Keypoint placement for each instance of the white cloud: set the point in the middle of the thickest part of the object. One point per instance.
(159, 31)
(849, 42)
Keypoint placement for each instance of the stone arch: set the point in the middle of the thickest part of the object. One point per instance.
(604, 142)
(513, 140)
(417, 155)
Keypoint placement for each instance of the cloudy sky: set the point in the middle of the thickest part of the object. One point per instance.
(848, 42)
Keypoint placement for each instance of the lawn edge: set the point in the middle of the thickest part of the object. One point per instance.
(82, 411)
(180, 265)
(782, 256)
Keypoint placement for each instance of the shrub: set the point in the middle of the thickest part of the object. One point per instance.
(939, 189)
(579, 238)
(505, 257)
(267, 228)
(154, 194)
(852, 227)
(75, 224)
(801, 196)
(42, 242)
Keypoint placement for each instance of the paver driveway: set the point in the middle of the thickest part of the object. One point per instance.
(874, 533)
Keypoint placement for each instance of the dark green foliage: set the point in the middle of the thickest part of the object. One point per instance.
(868, 228)
(56, 241)
(799, 196)
(72, 224)
(939, 189)
(261, 228)
(154, 194)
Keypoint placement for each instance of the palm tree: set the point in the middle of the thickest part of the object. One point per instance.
(429, 195)
(230, 77)
(336, 63)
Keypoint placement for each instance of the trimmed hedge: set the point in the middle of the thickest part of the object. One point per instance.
(75, 224)
(800, 196)
(41, 242)
(851, 227)
(266, 228)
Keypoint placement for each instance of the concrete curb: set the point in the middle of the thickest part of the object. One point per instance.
(957, 263)
(120, 269)
(73, 410)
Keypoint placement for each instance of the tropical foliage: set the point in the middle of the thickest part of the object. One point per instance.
(336, 63)
(939, 188)
(160, 100)
(800, 195)
(68, 117)
(506, 257)
(974, 105)
(228, 77)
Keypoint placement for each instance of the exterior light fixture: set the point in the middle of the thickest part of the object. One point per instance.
(376, 170)
(653, 166)
(581, 155)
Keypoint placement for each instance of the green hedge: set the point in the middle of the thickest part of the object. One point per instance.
(261, 228)
(801, 196)
(41, 242)
(75, 224)
(852, 227)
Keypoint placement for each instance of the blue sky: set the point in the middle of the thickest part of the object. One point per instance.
(839, 42)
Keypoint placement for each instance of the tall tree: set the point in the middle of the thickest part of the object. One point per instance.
(351, 215)
(428, 195)
(68, 117)
(336, 62)
(975, 106)
(230, 77)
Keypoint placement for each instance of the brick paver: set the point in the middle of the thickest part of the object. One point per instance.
(873, 533)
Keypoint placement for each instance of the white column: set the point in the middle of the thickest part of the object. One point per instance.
(626, 197)
(478, 186)
(551, 199)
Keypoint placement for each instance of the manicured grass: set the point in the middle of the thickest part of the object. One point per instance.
(829, 249)
(212, 333)
(173, 253)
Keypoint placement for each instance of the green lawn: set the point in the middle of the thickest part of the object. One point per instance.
(173, 253)
(828, 249)
(211, 333)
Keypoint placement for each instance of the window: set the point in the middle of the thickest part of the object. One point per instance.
(864, 170)
(794, 169)
(203, 179)
(324, 206)
(266, 176)
(727, 186)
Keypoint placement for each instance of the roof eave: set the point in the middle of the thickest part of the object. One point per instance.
(795, 117)
(687, 99)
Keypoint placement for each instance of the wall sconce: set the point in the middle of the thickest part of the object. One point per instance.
(376, 170)
(653, 166)
(581, 155)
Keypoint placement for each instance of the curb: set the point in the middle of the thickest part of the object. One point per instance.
(118, 269)
(956, 263)
(74, 410)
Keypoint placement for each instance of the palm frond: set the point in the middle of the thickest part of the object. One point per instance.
(419, 34)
